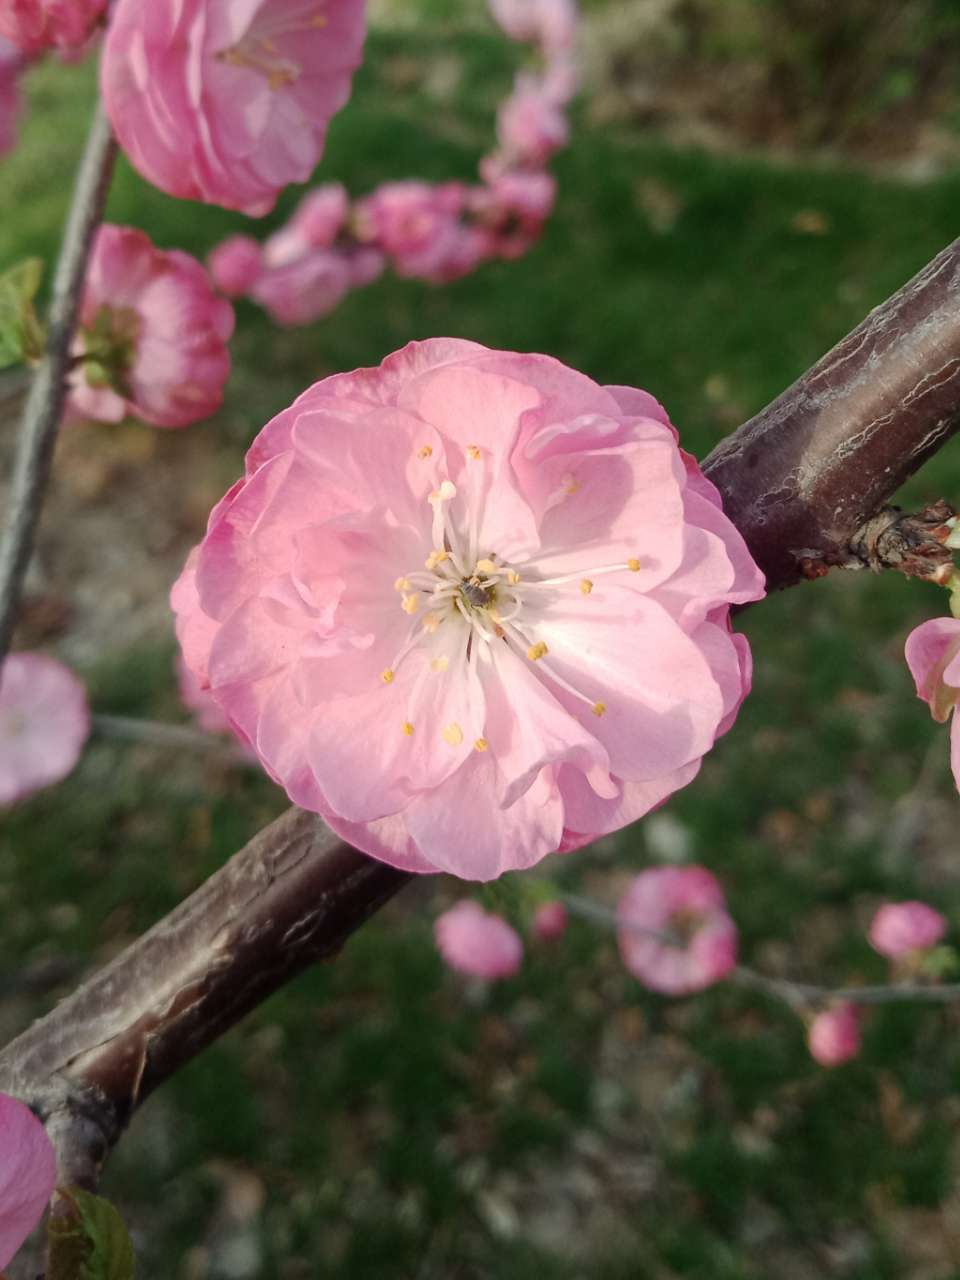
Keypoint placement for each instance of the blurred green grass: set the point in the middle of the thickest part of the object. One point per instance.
(377, 1119)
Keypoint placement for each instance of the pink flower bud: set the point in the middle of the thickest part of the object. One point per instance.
(153, 335)
(933, 656)
(901, 927)
(37, 25)
(235, 264)
(549, 921)
(674, 931)
(474, 942)
(28, 1174)
(228, 102)
(44, 723)
(834, 1035)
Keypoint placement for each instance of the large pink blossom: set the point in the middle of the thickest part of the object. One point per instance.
(471, 607)
(933, 656)
(228, 101)
(477, 943)
(37, 25)
(899, 928)
(11, 63)
(153, 335)
(28, 1174)
(674, 930)
(833, 1036)
(44, 722)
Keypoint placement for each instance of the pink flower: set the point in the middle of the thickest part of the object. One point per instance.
(549, 921)
(37, 25)
(674, 931)
(898, 928)
(933, 656)
(834, 1035)
(476, 943)
(44, 722)
(234, 265)
(28, 1174)
(530, 126)
(471, 607)
(10, 66)
(228, 101)
(551, 24)
(513, 207)
(321, 214)
(154, 334)
(417, 225)
(304, 289)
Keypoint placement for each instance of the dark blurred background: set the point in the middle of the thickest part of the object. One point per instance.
(746, 179)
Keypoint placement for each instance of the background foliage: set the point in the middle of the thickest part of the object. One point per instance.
(378, 1118)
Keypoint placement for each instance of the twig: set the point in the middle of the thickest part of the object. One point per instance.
(47, 395)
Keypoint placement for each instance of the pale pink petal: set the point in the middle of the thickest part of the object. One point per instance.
(899, 928)
(28, 1174)
(44, 723)
(476, 943)
(834, 1035)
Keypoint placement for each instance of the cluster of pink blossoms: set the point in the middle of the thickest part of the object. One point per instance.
(28, 1174)
(153, 335)
(35, 26)
(471, 607)
(44, 723)
(430, 231)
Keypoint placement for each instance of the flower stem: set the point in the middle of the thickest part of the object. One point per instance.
(44, 407)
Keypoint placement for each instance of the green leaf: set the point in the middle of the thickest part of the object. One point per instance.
(22, 335)
(90, 1243)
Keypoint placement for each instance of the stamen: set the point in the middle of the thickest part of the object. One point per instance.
(426, 451)
(453, 734)
(598, 708)
(431, 622)
(473, 452)
(440, 664)
(570, 483)
(513, 577)
(537, 651)
(387, 676)
(586, 586)
(487, 566)
(435, 558)
(411, 603)
(633, 565)
(402, 584)
(408, 728)
(481, 744)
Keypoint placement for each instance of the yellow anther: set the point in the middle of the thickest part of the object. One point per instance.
(318, 20)
(411, 603)
(570, 483)
(426, 451)
(387, 676)
(435, 558)
(444, 493)
(598, 708)
(453, 734)
(586, 586)
(633, 564)
(440, 664)
(281, 77)
(481, 744)
(513, 577)
(536, 651)
(408, 728)
(402, 584)
(431, 621)
(473, 451)
(486, 566)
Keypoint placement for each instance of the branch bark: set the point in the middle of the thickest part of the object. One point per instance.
(800, 480)
(48, 391)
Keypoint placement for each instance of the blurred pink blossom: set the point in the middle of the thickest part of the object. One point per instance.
(899, 928)
(44, 722)
(471, 607)
(933, 656)
(304, 289)
(234, 264)
(153, 335)
(474, 942)
(28, 1174)
(549, 921)
(416, 224)
(550, 24)
(228, 101)
(513, 207)
(321, 215)
(686, 906)
(834, 1035)
(11, 64)
(530, 126)
(37, 25)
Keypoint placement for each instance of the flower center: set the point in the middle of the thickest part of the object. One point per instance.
(257, 49)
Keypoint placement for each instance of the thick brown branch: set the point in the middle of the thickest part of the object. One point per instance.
(801, 478)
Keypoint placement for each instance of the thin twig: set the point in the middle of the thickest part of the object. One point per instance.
(799, 995)
(45, 401)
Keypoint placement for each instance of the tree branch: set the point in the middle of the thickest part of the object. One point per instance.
(800, 480)
(48, 391)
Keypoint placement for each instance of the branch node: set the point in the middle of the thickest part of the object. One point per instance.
(910, 542)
